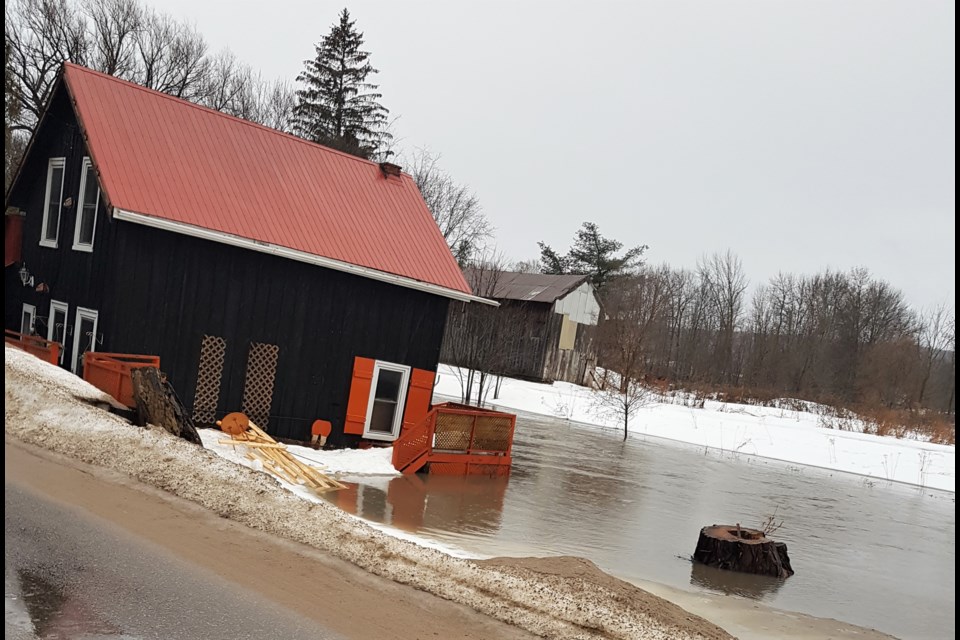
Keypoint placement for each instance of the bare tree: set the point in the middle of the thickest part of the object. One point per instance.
(42, 34)
(12, 145)
(620, 399)
(725, 284)
(268, 103)
(112, 27)
(454, 206)
(633, 307)
(934, 337)
(477, 337)
(526, 266)
(126, 39)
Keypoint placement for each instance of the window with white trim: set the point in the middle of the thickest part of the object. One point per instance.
(53, 201)
(84, 337)
(388, 395)
(87, 205)
(57, 325)
(28, 319)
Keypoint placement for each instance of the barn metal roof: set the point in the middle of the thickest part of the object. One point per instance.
(171, 164)
(529, 287)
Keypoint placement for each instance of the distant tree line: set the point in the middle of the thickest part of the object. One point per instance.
(845, 339)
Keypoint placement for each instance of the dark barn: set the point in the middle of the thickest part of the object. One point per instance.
(549, 325)
(269, 274)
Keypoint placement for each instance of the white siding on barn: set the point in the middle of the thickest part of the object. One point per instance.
(580, 305)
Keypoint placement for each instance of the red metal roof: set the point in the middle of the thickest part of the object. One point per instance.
(172, 160)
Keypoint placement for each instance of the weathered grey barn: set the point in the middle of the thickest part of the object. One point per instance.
(549, 325)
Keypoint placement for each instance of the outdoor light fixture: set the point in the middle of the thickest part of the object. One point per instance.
(25, 278)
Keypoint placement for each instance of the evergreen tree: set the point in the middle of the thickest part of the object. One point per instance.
(336, 104)
(591, 254)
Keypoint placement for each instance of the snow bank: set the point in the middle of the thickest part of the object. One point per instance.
(768, 432)
(44, 408)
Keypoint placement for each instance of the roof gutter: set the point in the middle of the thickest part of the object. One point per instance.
(294, 254)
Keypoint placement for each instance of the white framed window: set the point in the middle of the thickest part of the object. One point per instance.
(57, 325)
(84, 337)
(87, 204)
(28, 319)
(388, 394)
(52, 203)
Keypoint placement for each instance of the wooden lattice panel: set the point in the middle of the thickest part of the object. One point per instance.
(258, 387)
(452, 432)
(493, 433)
(210, 372)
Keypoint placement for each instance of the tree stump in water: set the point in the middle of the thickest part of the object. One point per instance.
(158, 404)
(738, 549)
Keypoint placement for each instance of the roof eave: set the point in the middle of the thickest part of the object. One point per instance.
(294, 254)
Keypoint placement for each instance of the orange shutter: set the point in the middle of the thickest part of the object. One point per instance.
(359, 395)
(418, 398)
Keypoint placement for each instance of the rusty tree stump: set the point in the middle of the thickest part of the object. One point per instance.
(740, 549)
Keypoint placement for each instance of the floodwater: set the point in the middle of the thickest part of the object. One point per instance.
(865, 551)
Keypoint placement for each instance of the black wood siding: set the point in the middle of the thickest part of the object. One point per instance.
(159, 293)
(65, 272)
(172, 290)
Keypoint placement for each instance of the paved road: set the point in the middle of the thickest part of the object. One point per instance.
(91, 553)
(67, 575)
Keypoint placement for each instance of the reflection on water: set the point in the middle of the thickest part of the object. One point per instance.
(733, 582)
(636, 508)
(54, 612)
(468, 504)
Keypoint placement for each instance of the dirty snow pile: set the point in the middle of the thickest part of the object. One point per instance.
(48, 407)
(737, 429)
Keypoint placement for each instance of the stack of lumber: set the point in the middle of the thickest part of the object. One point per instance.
(273, 455)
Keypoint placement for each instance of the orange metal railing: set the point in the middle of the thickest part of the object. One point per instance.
(44, 349)
(110, 372)
(459, 440)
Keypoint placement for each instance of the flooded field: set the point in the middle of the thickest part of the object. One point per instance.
(866, 551)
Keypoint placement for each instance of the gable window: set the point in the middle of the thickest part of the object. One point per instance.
(50, 232)
(88, 202)
(27, 319)
(385, 408)
(57, 324)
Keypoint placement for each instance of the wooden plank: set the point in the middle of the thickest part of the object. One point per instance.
(250, 443)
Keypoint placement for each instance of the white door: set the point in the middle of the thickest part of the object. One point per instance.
(84, 337)
(57, 325)
(388, 393)
(27, 319)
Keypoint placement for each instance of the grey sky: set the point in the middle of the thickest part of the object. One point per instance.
(800, 135)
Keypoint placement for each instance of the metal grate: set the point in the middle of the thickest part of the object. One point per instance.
(452, 432)
(258, 387)
(493, 433)
(207, 395)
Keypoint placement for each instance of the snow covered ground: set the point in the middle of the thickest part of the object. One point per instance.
(375, 461)
(782, 434)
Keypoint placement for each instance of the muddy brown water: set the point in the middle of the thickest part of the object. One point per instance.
(866, 551)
